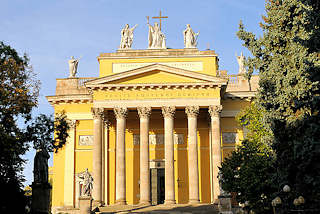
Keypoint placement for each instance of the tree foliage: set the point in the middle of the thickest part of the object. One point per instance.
(251, 118)
(246, 172)
(49, 133)
(18, 96)
(287, 58)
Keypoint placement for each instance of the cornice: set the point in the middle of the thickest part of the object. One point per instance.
(156, 86)
(74, 98)
(240, 95)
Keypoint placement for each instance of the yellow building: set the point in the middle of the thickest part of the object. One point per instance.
(152, 128)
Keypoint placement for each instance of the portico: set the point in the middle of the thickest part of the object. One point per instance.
(168, 113)
(160, 121)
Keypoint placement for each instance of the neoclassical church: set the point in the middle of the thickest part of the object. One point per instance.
(152, 127)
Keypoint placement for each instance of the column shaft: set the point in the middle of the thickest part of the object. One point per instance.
(121, 114)
(144, 113)
(168, 113)
(216, 149)
(97, 155)
(192, 112)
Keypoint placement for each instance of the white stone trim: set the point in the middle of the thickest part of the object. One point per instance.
(240, 94)
(76, 98)
(79, 116)
(155, 103)
(227, 113)
(156, 66)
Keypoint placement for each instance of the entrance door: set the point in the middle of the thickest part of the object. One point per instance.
(157, 186)
(161, 186)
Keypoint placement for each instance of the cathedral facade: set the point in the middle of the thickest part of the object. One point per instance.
(152, 128)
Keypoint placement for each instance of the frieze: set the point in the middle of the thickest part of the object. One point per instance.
(158, 139)
(191, 66)
(155, 94)
(230, 137)
(85, 140)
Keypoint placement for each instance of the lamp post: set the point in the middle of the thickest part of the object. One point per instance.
(297, 202)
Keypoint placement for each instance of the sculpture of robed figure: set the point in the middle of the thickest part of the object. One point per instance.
(156, 38)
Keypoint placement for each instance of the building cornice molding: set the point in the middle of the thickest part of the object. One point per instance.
(157, 67)
(74, 98)
(155, 86)
(240, 95)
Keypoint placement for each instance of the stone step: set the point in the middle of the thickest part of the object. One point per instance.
(175, 209)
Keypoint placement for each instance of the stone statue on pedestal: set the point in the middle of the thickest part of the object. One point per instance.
(241, 59)
(190, 37)
(127, 37)
(87, 183)
(156, 38)
(40, 170)
(73, 67)
(40, 186)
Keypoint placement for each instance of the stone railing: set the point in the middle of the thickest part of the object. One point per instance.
(82, 80)
(239, 83)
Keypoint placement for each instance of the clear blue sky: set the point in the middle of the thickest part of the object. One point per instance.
(52, 31)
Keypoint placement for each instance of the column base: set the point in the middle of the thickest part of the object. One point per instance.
(194, 201)
(121, 202)
(168, 202)
(145, 203)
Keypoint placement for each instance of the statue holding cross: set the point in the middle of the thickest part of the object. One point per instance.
(157, 39)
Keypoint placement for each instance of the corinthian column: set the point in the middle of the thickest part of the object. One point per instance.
(97, 155)
(192, 112)
(121, 114)
(168, 114)
(144, 113)
(216, 148)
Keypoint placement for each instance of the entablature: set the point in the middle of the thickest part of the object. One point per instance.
(78, 98)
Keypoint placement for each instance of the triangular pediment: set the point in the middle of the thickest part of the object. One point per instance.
(156, 74)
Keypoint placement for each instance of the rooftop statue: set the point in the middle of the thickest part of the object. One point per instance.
(73, 67)
(156, 38)
(190, 37)
(241, 59)
(127, 37)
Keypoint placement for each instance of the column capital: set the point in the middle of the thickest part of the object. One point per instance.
(144, 112)
(97, 113)
(168, 111)
(72, 123)
(120, 112)
(192, 111)
(215, 111)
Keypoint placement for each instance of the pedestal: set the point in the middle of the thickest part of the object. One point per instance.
(85, 204)
(225, 204)
(40, 198)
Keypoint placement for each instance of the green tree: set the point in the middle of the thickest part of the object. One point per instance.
(247, 173)
(49, 133)
(18, 96)
(247, 170)
(252, 118)
(287, 58)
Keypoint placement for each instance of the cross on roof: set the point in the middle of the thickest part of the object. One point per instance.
(160, 17)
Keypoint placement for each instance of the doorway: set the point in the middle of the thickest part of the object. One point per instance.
(157, 186)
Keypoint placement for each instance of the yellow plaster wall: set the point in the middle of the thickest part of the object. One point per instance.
(83, 154)
(209, 63)
(73, 107)
(81, 158)
(58, 178)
